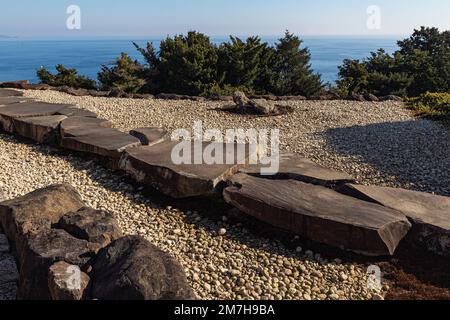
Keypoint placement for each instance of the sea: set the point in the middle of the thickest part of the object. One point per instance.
(20, 58)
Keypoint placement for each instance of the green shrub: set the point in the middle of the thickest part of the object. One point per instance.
(65, 77)
(125, 74)
(151, 67)
(421, 64)
(188, 64)
(432, 105)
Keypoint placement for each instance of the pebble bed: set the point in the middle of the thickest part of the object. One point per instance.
(222, 259)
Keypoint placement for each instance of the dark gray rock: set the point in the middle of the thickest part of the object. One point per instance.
(77, 112)
(4, 101)
(20, 84)
(429, 214)
(10, 93)
(149, 136)
(371, 97)
(131, 268)
(78, 126)
(91, 225)
(357, 97)
(9, 275)
(319, 214)
(39, 129)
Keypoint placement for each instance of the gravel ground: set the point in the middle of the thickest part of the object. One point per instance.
(234, 263)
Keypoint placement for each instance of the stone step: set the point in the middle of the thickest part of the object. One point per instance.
(153, 165)
(25, 110)
(295, 167)
(77, 112)
(10, 93)
(82, 126)
(39, 129)
(429, 214)
(4, 101)
(319, 214)
(149, 136)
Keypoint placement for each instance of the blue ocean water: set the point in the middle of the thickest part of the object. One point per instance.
(19, 58)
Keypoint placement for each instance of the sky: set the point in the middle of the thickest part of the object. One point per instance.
(146, 18)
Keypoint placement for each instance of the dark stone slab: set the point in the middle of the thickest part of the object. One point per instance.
(429, 214)
(92, 225)
(149, 136)
(26, 109)
(111, 145)
(131, 268)
(298, 168)
(153, 165)
(319, 214)
(10, 93)
(77, 112)
(37, 211)
(4, 101)
(81, 126)
(39, 129)
(41, 251)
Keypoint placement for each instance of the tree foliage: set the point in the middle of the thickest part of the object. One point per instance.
(65, 77)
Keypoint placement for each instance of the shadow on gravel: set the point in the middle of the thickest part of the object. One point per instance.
(415, 152)
(410, 275)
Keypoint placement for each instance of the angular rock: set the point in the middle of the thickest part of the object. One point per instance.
(91, 225)
(371, 97)
(37, 211)
(319, 214)
(10, 93)
(41, 251)
(77, 112)
(9, 275)
(298, 168)
(81, 126)
(25, 110)
(357, 97)
(4, 101)
(429, 214)
(254, 106)
(67, 282)
(131, 268)
(39, 129)
(110, 145)
(154, 166)
(20, 84)
(149, 136)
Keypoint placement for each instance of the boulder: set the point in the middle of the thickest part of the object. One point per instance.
(39, 129)
(172, 96)
(76, 92)
(37, 211)
(111, 144)
(428, 213)
(222, 98)
(149, 136)
(294, 167)
(154, 166)
(95, 93)
(319, 214)
(78, 126)
(131, 268)
(41, 251)
(39, 86)
(91, 225)
(77, 112)
(117, 93)
(20, 84)
(26, 110)
(4, 101)
(291, 98)
(67, 282)
(142, 96)
(391, 98)
(9, 275)
(371, 97)
(10, 93)
(254, 106)
(241, 100)
(4, 244)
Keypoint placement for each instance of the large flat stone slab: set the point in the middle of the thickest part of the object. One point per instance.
(77, 112)
(10, 93)
(149, 136)
(81, 126)
(4, 101)
(298, 168)
(110, 145)
(430, 214)
(153, 165)
(319, 214)
(39, 129)
(25, 110)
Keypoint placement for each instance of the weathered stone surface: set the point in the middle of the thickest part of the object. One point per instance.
(371, 97)
(9, 275)
(391, 98)
(25, 110)
(131, 268)
(81, 126)
(77, 112)
(154, 166)
(20, 84)
(111, 145)
(42, 250)
(37, 211)
(4, 101)
(319, 214)
(357, 97)
(298, 168)
(254, 106)
(10, 93)
(429, 214)
(92, 225)
(4, 244)
(67, 282)
(149, 136)
(39, 129)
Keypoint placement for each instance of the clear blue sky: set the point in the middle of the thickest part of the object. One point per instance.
(145, 18)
